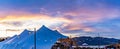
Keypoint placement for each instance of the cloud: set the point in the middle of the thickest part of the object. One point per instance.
(82, 20)
(68, 16)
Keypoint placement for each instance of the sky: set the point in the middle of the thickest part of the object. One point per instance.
(69, 17)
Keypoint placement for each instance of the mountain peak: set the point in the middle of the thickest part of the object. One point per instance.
(44, 28)
(25, 32)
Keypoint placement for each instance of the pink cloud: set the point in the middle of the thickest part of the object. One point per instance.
(93, 15)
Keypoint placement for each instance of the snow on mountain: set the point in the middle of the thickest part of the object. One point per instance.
(45, 38)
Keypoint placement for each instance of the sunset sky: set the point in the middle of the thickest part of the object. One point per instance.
(70, 17)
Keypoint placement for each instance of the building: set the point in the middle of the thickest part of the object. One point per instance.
(113, 46)
(64, 43)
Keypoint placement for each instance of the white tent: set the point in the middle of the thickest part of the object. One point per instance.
(45, 38)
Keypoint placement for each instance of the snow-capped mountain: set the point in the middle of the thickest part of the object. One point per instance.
(45, 38)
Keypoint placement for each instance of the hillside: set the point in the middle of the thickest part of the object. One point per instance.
(95, 40)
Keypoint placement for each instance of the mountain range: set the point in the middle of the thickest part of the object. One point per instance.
(95, 40)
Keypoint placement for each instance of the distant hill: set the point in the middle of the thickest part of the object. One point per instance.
(95, 40)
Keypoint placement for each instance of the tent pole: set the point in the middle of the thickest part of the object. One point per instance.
(34, 38)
